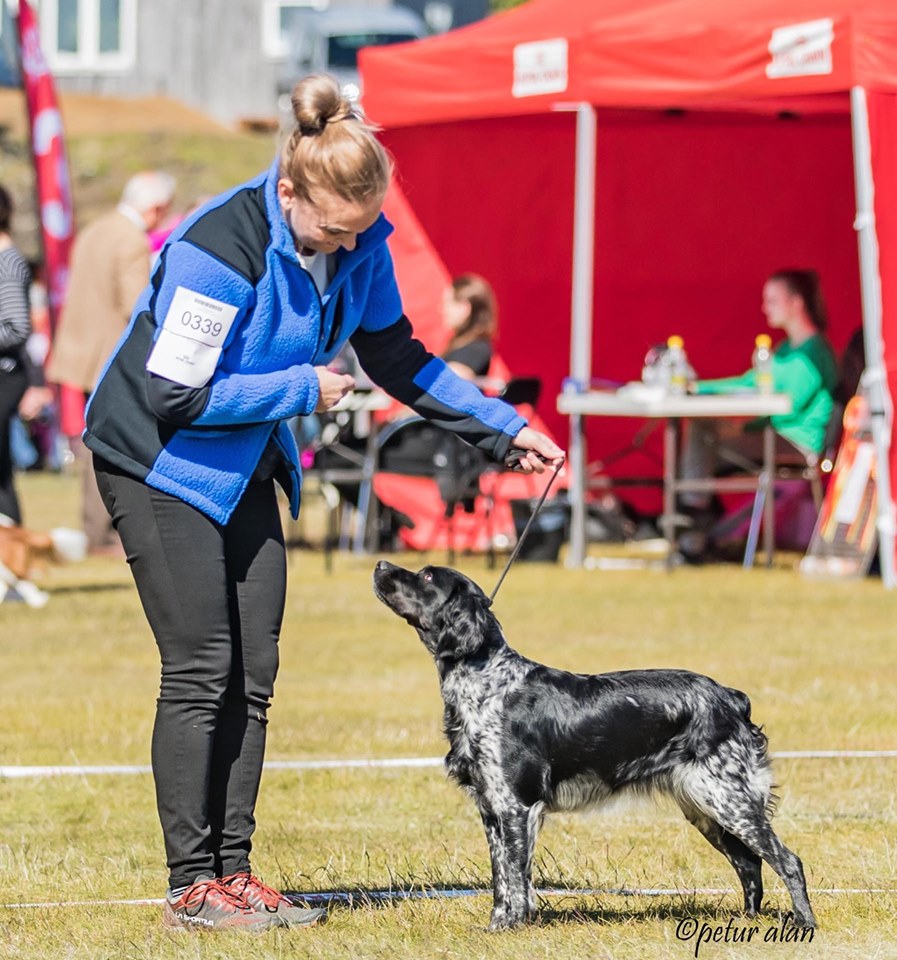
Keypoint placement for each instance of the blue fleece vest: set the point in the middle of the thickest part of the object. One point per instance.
(265, 375)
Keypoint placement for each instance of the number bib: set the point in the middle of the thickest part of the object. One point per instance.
(189, 345)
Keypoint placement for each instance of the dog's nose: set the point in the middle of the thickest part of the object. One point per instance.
(382, 566)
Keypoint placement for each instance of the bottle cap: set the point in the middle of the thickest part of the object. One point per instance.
(675, 341)
(763, 340)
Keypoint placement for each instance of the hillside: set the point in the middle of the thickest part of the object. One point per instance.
(109, 139)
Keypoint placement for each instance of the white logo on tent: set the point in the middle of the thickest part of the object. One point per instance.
(540, 67)
(801, 50)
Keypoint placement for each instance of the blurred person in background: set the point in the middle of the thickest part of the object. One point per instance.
(251, 299)
(469, 311)
(15, 329)
(109, 269)
(37, 424)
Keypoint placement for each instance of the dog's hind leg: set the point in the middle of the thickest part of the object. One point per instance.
(507, 830)
(746, 863)
(758, 836)
(741, 812)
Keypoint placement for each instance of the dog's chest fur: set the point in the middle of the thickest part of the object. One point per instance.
(475, 696)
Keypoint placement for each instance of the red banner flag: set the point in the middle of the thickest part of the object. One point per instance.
(54, 193)
(50, 165)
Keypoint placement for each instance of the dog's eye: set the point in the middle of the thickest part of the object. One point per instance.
(428, 576)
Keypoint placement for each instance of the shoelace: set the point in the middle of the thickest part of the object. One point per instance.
(216, 893)
(239, 882)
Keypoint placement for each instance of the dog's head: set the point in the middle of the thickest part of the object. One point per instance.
(450, 612)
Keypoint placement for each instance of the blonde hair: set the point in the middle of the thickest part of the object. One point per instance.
(332, 147)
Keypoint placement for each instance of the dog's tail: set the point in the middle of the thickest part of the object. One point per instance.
(759, 745)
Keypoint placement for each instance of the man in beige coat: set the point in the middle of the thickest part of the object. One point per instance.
(110, 266)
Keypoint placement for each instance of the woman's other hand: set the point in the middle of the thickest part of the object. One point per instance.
(333, 387)
(542, 451)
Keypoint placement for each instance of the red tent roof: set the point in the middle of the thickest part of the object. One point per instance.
(663, 54)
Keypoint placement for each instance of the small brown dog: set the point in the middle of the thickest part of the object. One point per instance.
(23, 551)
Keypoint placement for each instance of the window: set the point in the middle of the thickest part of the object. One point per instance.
(89, 36)
(110, 26)
(278, 17)
(342, 49)
(67, 26)
(9, 63)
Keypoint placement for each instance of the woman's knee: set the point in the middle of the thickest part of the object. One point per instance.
(196, 679)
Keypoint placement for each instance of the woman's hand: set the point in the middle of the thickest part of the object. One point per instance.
(540, 450)
(34, 401)
(333, 387)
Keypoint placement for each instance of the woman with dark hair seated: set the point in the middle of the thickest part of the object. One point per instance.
(469, 311)
(803, 366)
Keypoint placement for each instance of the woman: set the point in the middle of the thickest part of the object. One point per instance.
(803, 366)
(15, 328)
(251, 298)
(468, 310)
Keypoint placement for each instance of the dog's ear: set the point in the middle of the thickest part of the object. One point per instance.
(465, 622)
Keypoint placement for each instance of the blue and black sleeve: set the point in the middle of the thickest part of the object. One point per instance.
(403, 367)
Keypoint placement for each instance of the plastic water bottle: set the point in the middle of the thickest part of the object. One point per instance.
(762, 363)
(677, 366)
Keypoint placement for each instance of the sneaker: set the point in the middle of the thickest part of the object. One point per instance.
(208, 904)
(268, 902)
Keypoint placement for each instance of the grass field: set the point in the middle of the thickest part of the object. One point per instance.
(80, 676)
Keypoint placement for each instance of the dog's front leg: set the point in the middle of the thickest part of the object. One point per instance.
(499, 860)
(509, 848)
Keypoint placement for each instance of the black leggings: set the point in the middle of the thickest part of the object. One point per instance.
(12, 388)
(214, 598)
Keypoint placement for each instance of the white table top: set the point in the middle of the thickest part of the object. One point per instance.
(634, 402)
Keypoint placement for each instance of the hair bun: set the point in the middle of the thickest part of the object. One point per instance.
(317, 101)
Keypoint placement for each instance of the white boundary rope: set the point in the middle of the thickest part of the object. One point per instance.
(84, 771)
(360, 897)
(21, 772)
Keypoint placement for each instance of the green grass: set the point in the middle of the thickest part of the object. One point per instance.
(79, 680)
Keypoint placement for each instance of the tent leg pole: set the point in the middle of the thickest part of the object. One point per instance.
(870, 286)
(577, 462)
(581, 315)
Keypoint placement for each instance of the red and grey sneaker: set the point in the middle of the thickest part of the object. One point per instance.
(208, 904)
(268, 902)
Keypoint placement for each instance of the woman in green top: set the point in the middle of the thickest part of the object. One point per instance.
(803, 366)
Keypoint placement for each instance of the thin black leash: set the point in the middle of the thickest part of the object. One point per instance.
(529, 523)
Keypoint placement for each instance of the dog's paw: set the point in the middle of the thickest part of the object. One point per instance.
(505, 921)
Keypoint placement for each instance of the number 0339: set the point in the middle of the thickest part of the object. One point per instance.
(201, 324)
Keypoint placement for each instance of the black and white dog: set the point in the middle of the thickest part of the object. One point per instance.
(527, 739)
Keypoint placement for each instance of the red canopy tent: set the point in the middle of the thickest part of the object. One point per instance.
(642, 169)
